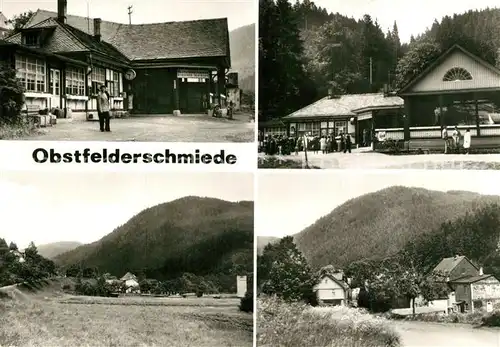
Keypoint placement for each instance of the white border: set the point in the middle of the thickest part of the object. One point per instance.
(18, 155)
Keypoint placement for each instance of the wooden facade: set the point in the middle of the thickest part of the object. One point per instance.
(352, 114)
(68, 64)
(458, 90)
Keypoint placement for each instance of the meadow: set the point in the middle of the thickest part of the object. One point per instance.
(45, 319)
(297, 325)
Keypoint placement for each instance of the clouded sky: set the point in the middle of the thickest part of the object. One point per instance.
(289, 201)
(47, 207)
(412, 17)
(238, 12)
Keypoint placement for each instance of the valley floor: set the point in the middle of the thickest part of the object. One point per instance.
(40, 320)
(423, 334)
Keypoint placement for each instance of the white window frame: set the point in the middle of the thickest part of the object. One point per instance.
(75, 81)
(34, 70)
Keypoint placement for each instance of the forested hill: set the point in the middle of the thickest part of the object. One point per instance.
(202, 236)
(304, 51)
(380, 224)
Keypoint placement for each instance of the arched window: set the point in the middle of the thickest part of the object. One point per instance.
(457, 74)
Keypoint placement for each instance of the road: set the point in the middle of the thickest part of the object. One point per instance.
(424, 334)
(186, 128)
(363, 159)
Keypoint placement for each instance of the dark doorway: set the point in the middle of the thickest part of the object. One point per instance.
(191, 96)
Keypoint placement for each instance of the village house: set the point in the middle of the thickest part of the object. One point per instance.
(470, 288)
(457, 89)
(333, 289)
(351, 114)
(452, 268)
(62, 60)
(5, 27)
(131, 283)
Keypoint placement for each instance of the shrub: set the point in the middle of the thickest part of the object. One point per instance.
(246, 302)
(492, 319)
(66, 287)
(199, 293)
(11, 96)
(295, 324)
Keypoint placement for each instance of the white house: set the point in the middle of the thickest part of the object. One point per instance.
(131, 283)
(332, 289)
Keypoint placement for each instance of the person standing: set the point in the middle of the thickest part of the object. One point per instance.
(467, 141)
(103, 109)
(322, 143)
(456, 139)
(444, 136)
(348, 143)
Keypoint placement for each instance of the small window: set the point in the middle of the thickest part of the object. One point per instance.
(457, 74)
(31, 39)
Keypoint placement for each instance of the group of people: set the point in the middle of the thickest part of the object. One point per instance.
(284, 145)
(454, 142)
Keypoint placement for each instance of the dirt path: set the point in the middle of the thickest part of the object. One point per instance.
(360, 159)
(153, 129)
(423, 334)
(14, 293)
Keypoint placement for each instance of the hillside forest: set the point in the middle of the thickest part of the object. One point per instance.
(189, 245)
(385, 279)
(304, 51)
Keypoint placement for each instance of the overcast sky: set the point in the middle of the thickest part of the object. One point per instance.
(238, 12)
(288, 202)
(413, 17)
(47, 207)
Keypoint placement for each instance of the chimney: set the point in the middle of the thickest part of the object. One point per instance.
(97, 29)
(456, 256)
(330, 93)
(62, 9)
(481, 271)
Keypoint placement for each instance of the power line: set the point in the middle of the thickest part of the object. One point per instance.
(130, 14)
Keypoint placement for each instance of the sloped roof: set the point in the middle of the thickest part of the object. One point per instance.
(69, 39)
(470, 279)
(347, 105)
(440, 59)
(171, 40)
(343, 284)
(128, 276)
(3, 22)
(448, 264)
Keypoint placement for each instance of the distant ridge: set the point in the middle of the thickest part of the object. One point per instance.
(191, 234)
(379, 224)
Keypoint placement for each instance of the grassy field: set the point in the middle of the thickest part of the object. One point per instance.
(297, 325)
(61, 320)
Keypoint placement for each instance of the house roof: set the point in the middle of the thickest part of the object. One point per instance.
(3, 22)
(448, 264)
(347, 105)
(4, 43)
(71, 38)
(343, 284)
(128, 276)
(440, 59)
(171, 40)
(470, 279)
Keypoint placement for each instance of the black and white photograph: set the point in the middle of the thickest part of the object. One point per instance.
(149, 70)
(379, 84)
(378, 258)
(126, 259)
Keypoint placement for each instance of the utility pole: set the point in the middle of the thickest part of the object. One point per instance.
(130, 14)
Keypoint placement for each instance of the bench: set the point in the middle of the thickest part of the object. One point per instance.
(33, 117)
(36, 119)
